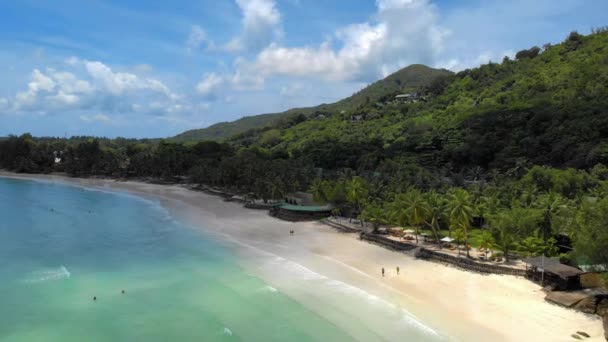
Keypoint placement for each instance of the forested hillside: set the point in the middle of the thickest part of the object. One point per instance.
(546, 107)
(407, 79)
(519, 147)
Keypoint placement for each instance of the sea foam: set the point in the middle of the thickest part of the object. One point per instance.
(48, 274)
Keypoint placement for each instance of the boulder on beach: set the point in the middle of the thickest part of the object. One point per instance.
(586, 305)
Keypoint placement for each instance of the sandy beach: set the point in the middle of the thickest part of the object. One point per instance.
(450, 303)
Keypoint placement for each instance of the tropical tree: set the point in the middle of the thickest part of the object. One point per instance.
(435, 212)
(536, 246)
(591, 235)
(509, 226)
(411, 208)
(460, 212)
(460, 236)
(528, 197)
(277, 188)
(374, 214)
(554, 208)
(504, 231)
(356, 192)
(491, 205)
(319, 193)
(486, 241)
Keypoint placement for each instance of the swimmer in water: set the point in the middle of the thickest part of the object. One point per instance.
(123, 291)
(94, 298)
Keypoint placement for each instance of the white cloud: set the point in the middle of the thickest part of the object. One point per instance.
(70, 84)
(93, 86)
(402, 32)
(384, 5)
(209, 84)
(119, 83)
(244, 80)
(64, 98)
(96, 118)
(39, 83)
(261, 25)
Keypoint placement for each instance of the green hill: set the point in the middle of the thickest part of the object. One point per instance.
(547, 107)
(406, 79)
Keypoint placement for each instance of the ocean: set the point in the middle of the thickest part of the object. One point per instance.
(61, 246)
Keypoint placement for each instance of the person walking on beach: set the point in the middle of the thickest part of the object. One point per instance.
(397, 269)
(383, 271)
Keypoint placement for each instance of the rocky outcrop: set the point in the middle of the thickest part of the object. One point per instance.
(590, 301)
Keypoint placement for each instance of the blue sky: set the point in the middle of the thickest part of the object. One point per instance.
(145, 68)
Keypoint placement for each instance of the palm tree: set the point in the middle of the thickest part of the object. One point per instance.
(435, 211)
(528, 197)
(317, 189)
(460, 211)
(374, 214)
(553, 206)
(356, 192)
(411, 208)
(491, 204)
(277, 188)
(460, 235)
(486, 241)
(509, 226)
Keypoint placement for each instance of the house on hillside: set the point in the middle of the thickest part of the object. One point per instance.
(356, 118)
(409, 98)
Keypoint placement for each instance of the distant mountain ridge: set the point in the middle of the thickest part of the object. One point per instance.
(407, 79)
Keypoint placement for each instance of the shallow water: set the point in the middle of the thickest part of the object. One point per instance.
(62, 245)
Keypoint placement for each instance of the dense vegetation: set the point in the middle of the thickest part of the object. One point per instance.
(404, 80)
(508, 156)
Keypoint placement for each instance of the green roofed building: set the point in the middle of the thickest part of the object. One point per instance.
(291, 212)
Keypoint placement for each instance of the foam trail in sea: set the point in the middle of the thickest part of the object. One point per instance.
(269, 288)
(48, 275)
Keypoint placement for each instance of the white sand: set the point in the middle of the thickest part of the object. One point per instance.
(454, 303)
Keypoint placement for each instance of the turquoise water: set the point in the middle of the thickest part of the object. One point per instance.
(61, 245)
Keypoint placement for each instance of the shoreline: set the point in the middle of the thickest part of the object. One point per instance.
(458, 304)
